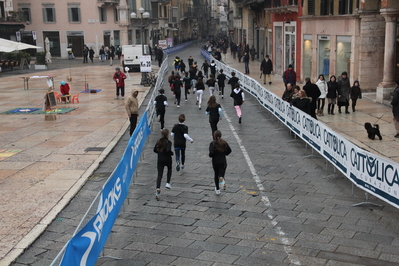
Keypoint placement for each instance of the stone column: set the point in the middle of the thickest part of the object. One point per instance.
(388, 82)
(123, 11)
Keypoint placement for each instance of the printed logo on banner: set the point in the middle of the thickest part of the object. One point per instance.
(294, 120)
(335, 149)
(85, 247)
(279, 108)
(311, 132)
(379, 175)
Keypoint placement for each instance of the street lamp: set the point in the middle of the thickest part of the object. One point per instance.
(143, 15)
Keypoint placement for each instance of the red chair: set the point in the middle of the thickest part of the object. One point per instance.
(57, 97)
(75, 97)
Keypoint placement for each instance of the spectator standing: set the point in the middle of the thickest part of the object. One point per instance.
(322, 85)
(111, 54)
(132, 110)
(395, 108)
(119, 78)
(163, 148)
(266, 67)
(287, 95)
(85, 54)
(180, 134)
(218, 150)
(239, 98)
(160, 103)
(355, 93)
(332, 93)
(313, 92)
(289, 76)
(160, 56)
(252, 51)
(246, 62)
(343, 92)
(302, 102)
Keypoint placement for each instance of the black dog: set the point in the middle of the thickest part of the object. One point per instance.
(372, 131)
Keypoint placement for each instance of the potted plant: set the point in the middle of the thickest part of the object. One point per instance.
(41, 60)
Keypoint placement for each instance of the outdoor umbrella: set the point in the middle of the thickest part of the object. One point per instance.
(9, 46)
(47, 47)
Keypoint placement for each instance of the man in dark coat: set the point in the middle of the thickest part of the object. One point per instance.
(160, 56)
(289, 76)
(395, 108)
(313, 92)
(266, 67)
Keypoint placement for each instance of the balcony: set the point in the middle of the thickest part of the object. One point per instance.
(107, 2)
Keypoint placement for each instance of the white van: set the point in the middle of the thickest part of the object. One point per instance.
(131, 56)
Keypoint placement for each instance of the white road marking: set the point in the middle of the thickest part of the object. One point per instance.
(265, 199)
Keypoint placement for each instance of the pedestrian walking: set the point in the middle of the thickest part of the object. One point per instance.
(289, 76)
(102, 53)
(322, 85)
(214, 110)
(355, 93)
(233, 81)
(239, 98)
(252, 51)
(91, 54)
(395, 108)
(132, 110)
(119, 78)
(343, 92)
(332, 93)
(163, 148)
(266, 67)
(218, 150)
(111, 54)
(160, 103)
(221, 79)
(180, 134)
(211, 82)
(70, 51)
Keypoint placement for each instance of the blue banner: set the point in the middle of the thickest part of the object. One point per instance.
(84, 248)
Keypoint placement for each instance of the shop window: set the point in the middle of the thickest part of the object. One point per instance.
(74, 14)
(323, 61)
(343, 54)
(48, 14)
(307, 55)
(103, 14)
(278, 53)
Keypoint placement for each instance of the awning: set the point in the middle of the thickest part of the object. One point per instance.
(9, 46)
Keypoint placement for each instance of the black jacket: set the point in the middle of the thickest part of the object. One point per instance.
(164, 156)
(218, 158)
(266, 67)
(302, 104)
(332, 89)
(312, 91)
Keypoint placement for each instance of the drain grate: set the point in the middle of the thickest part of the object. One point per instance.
(94, 149)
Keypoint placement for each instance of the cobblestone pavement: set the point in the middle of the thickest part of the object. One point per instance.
(283, 204)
